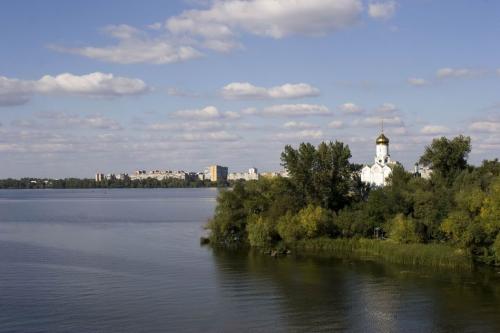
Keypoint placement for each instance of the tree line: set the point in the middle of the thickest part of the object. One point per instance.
(73, 183)
(324, 197)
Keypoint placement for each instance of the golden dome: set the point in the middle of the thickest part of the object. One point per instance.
(382, 140)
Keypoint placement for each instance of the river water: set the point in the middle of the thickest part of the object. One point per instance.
(129, 260)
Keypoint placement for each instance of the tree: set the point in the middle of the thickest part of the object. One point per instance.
(322, 175)
(447, 157)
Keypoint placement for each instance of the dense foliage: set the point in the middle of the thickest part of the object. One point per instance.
(37, 183)
(324, 198)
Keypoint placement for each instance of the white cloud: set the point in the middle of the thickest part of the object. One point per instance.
(448, 72)
(351, 108)
(417, 82)
(296, 110)
(16, 92)
(277, 19)
(64, 120)
(382, 10)
(390, 121)
(134, 46)
(300, 135)
(485, 126)
(387, 108)
(191, 126)
(155, 26)
(250, 111)
(245, 90)
(336, 124)
(93, 85)
(208, 136)
(217, 27)
(208, 112)
(434, 130)
(298, 125)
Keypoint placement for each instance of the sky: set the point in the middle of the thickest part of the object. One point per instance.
(116, 86)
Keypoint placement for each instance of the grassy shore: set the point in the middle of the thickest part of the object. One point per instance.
(431, 255)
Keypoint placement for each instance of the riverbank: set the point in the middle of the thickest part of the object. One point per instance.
(431, 255)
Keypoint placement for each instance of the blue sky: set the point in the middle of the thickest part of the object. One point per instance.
(115, 86)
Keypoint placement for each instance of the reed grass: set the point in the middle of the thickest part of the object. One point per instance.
(432, 255)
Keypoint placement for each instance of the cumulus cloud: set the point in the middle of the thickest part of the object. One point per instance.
(434, 130)
(389, 121)
(217, 28)
(135, 46)
(245, 90)
(387, 108)
(69, 121)
(17, 92)
(190, 126)
(93, 85)
(382, 10)
(299, 135)
(208, 136)
(488, 126)
(14, 91)
(351, 108)
(277, 19)
(417, 82)
(336, 124)
(295, 110)
(208, 112)
(298, 125)
(447, 72)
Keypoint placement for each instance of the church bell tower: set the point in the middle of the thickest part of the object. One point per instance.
(382, 149)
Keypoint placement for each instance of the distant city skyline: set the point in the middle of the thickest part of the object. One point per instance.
(126, 85)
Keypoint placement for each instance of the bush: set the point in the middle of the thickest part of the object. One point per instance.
(310, 222)
(316, 221)
(496, 249)
(261, 232)
(289, 228)
(403, 230)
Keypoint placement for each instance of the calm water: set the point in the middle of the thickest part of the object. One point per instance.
(130, 261)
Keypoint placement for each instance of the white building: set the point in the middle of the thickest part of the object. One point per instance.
(159, 175)
(377, 173)
(422, 171)
(252, 174)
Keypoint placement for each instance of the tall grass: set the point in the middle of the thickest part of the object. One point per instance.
(432, 255)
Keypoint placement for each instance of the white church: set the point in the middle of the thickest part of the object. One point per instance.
(377, 173)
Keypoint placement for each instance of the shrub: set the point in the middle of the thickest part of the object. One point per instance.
(496, 249)
(315, 221)
(403, 230)
(261, 231)
(289, 228)
(310, 222)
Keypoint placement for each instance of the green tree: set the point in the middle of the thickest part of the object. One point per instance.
(322, 175)
(447, 157)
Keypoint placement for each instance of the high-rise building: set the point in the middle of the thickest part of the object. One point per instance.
(99, 177)
(218, 173)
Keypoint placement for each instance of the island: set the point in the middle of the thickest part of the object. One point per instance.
(449, 218)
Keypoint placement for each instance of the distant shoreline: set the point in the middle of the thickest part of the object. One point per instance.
(87, 183)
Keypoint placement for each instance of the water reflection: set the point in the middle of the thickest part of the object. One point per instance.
(332, 294)
(130, 261)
